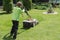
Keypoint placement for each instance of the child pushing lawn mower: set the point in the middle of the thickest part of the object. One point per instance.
(15, 19)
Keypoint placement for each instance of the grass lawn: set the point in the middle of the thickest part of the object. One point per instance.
(47, 29)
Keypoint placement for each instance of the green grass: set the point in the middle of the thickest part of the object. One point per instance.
(47, 29)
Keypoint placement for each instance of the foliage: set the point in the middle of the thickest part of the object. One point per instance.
(7, 5)
(27, 4)
(40, 6)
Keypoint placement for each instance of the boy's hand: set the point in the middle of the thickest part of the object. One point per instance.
(22, 15)
(30, 18)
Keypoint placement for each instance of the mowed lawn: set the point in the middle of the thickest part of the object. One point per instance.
(47, 29)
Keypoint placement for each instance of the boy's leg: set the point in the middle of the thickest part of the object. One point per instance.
(15, 29)
(15, 34)
(12, 30)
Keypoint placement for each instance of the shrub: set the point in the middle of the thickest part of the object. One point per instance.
(27, 4)
(7, 6)
(40, 6)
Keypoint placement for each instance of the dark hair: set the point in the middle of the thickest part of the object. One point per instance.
(19, 4)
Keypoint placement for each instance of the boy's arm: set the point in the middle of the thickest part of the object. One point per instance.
(25, 10)
(22, 15)
(27, 13)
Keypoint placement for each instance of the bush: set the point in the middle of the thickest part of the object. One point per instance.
(34, 6)
(27, 4)
(40, 6)
(7, 6)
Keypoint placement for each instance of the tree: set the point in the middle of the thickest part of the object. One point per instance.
(15, 1)
(27, 4)
(7, 6)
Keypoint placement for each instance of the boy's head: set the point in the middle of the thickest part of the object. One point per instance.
(19, 4)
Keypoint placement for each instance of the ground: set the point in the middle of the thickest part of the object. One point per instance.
(47, 29)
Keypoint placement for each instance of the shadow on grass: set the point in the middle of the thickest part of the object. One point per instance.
(23, 30)
(4, 13)
(6, 37)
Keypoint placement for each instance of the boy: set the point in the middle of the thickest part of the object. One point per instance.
(15, 19)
